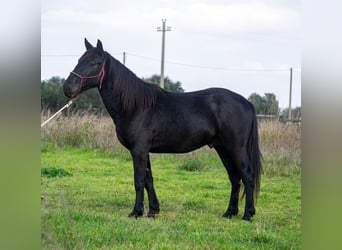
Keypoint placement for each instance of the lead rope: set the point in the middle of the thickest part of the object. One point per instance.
(64, 107)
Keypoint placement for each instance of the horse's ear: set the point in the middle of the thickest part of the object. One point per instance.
(99, 45)
(87, 44)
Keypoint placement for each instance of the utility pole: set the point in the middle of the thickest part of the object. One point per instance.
(290, 96)
(163, 51)
(124, 58)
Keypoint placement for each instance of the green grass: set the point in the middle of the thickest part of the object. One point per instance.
(88, 207)
(54, 172)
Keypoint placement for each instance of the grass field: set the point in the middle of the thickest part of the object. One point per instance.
(88, 191)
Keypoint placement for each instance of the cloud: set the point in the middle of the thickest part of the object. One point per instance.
(240, 17)
(197, 16)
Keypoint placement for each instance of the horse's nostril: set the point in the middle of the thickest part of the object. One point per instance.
(67, 90)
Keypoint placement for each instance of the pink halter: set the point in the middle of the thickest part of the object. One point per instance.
(100, 75)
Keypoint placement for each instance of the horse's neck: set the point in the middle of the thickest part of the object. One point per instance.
(110, 104)
(110, 99)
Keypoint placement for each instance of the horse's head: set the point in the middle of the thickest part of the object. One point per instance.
(89, 71)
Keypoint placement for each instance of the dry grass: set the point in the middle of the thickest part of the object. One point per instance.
(279, 142)
(88, 131)
(282, 140)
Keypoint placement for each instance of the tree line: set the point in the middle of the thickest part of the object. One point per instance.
(52, 98)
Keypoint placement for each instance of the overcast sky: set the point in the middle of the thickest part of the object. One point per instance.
(246, 46)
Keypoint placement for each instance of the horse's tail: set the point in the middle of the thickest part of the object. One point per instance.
(254, 155)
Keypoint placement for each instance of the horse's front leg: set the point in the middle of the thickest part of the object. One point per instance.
(140, 165)
(152, 197)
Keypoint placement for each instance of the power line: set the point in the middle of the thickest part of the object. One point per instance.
(236, 69)
(68, 55)
(61, 55)
(211, 67)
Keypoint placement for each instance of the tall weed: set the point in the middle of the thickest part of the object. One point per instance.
(280, 143)
(82, 131)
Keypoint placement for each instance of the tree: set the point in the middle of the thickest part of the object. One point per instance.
(258, 102)
(271, 104)
(52, 96)
(296, 113)
(168, 83)
(266, 105)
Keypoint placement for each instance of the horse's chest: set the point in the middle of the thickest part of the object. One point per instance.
(123, 137)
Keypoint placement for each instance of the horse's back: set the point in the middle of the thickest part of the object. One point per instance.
(218, 102)
(185, 121)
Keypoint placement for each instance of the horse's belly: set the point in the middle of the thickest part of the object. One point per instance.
(175, 150)
(181, 144)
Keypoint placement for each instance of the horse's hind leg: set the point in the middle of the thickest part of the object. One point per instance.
(235, 179)
(152, 197)
(240, 160)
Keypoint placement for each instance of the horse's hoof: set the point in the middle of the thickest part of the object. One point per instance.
(247, 218)
(136, 214)
(229, 214)
(152, 214)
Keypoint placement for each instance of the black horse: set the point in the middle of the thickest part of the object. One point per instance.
(150, 119)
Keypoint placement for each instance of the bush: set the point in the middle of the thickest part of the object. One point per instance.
(54, 172)
(191, 164)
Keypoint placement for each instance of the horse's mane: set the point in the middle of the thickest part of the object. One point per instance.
(133, 92)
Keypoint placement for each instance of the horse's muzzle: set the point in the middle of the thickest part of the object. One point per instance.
(67, 90)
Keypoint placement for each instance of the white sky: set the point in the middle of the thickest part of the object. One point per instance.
(246, 46)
